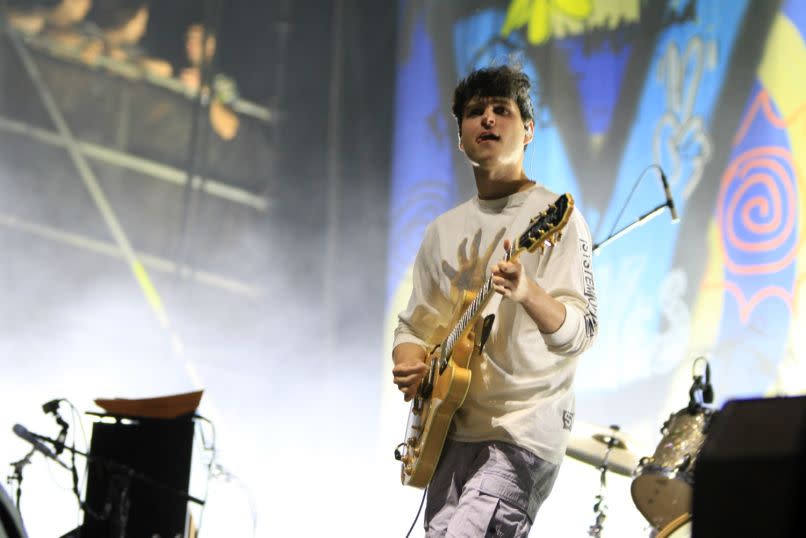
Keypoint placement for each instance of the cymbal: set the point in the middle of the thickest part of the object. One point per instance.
(610, 440)
(588, 443)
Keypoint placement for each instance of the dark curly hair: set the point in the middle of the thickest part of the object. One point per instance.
(502, 81)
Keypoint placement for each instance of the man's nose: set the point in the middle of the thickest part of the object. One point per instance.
(488, 118)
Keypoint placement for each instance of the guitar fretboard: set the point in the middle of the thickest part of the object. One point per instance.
(469, 315)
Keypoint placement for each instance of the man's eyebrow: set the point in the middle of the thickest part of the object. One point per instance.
(484, 100)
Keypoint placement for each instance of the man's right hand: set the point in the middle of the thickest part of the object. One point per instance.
(409, 369)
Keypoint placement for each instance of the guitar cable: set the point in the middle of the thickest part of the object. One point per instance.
(413, 523)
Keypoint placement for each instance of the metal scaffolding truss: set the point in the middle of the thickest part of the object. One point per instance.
(83, 151)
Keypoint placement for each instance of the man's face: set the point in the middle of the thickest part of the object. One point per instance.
(193, 44)
(492, 132)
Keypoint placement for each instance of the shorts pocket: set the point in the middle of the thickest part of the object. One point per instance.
(474, 517)
(498, 518)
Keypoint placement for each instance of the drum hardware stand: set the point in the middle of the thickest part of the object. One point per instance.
(600, 506)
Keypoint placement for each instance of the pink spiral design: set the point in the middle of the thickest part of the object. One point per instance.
(758, 223)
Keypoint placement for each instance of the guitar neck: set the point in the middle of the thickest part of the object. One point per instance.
(471, 313)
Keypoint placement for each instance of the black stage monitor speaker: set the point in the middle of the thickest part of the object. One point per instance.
(156, 448)
(750, 477)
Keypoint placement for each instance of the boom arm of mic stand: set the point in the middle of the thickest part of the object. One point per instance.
(114, 466)
(643, 219)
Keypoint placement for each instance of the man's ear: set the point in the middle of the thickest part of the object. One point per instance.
(460, 145)
(530, 131)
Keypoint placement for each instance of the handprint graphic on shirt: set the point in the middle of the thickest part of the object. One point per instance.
(471, 270)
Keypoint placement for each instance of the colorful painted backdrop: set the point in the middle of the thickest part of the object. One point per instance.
(713, 91)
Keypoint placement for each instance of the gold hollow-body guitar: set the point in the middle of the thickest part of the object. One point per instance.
(445, 385)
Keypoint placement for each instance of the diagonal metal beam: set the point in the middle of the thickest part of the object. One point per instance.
(106, 248)
(164, 172)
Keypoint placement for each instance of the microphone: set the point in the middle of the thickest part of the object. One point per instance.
(707, 389)
(693, 393)
(53, 408)
(23, 433)
(669, 199)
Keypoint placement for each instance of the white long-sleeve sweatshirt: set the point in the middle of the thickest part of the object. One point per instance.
(521, 386)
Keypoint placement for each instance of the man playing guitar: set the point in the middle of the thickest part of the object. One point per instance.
(508, 438)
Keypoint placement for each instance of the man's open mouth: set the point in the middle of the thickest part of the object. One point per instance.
(487, 136)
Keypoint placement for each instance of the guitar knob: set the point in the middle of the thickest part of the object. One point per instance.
(416, 451)
(407, 469)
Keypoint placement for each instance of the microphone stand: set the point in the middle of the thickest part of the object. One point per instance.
(121, 477)
(640, 221)
(119, 467)
(18, 466)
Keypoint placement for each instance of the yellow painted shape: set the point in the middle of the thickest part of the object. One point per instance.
(545, 19)
(706, 318)
(782, 72)
(539, 29)
(707, 312)
(518, 14)
(579, 9)
(599, 15)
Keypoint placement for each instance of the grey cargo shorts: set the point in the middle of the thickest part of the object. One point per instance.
(486, 489)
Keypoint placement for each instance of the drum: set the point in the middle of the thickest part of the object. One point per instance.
(679, 527)
(663, 484)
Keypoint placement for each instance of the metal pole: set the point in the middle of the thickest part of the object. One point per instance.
(333, 173)
(199, 131)
(164, 172)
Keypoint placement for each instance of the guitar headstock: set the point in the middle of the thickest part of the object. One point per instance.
(546, 228)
